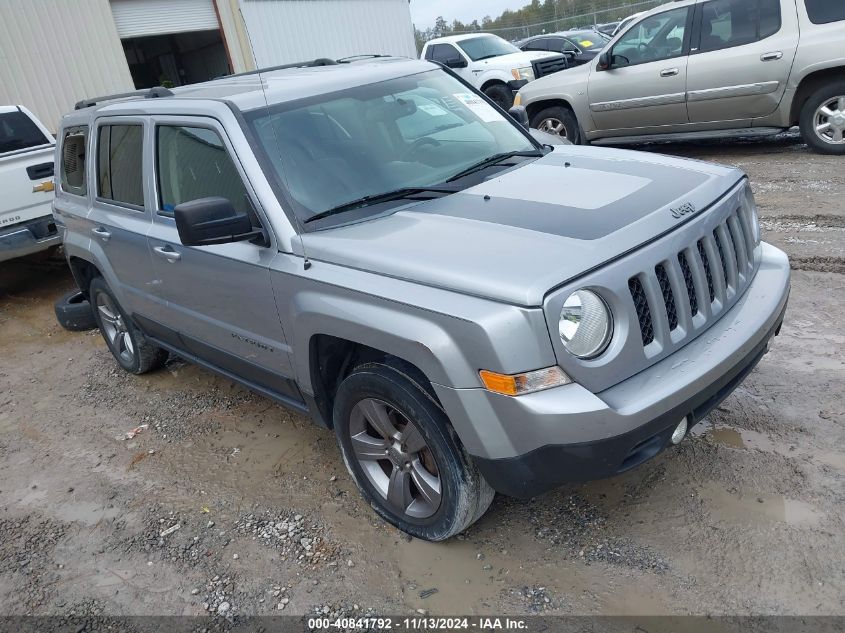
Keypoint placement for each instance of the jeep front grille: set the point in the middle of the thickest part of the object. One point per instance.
(696, 283)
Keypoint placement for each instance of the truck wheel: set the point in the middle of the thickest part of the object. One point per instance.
(404, 456)
(73, 312)
(822, 120)
(558, 120)
(501, 94)
(127, 344)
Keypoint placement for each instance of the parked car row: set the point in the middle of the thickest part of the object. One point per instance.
(697, 69)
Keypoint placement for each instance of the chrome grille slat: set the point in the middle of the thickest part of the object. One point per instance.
(689, 282)
(743, 262)
(708, 272)
(726, 250)
(668, 296)
(642, 309)
(717, 274)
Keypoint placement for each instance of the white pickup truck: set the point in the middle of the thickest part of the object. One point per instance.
(493, 65)
(26, 184)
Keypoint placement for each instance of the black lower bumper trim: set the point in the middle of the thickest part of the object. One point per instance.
(549, 466)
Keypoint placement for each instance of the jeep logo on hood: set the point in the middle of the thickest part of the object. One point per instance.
(684, 209)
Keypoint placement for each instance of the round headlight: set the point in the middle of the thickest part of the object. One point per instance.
(585, 324)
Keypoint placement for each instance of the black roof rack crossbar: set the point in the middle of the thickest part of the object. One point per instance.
(147, 93)
(320, 61)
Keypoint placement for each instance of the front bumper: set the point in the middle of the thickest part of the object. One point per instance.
(527, 445)
(28, 237)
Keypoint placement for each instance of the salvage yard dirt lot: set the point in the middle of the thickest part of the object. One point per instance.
(746, 516)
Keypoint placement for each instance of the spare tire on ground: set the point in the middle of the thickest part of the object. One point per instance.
(74, 313)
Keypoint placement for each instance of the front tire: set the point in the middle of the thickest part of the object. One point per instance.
(404, 456)
(558, 120)
(501, 94)
(128, 345)
(822, 120)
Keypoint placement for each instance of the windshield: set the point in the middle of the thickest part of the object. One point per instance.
(588, 40)
(486, 46)
(410, 132)
(17, 131)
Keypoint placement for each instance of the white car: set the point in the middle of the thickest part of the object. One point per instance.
(489, 63)
(26, 183)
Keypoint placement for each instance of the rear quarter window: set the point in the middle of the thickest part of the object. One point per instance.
(825, 11)
(73, 160)
(17, 132)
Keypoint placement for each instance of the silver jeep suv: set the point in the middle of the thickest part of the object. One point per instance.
(696, 69)
(378, 245)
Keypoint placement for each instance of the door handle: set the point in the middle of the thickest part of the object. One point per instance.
(101, 233)
(770, 57)
(167, 253)
(669, 72)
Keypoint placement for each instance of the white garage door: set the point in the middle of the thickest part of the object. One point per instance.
(138, 18)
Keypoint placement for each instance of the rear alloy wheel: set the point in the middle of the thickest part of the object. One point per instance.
(403, 454)
(127, 344)
(823, 120)
(558, 120)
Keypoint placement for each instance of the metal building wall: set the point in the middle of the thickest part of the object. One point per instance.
(55, 52)
(285, 31)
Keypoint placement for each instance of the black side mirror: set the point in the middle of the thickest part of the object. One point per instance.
(209, 221)
(604, 62)
(456, 62)
(520, 115)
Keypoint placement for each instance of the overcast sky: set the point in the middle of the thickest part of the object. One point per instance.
(425, 12)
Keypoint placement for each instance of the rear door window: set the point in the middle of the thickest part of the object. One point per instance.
(17, 132)
(825, 11)
(120, 164)
(443, 53)
(729, 23)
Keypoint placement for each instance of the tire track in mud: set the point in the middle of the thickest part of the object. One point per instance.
(818, 222)
(819, 264)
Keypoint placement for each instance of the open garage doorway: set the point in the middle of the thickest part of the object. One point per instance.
(176, 59)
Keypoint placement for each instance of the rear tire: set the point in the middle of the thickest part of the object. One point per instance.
(404, 456)
(501, 94)
(73, 312)
(823, 133)
(558, 120)
(128, 345)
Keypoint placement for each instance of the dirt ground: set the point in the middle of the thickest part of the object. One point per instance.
(230, 504)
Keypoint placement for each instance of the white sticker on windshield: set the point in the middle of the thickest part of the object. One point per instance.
(478, 107)
(431, 109)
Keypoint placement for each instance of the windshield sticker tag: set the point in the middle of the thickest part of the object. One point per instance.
(586, 43)
(432, 110)
(478, 107)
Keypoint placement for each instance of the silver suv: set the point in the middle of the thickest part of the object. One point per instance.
(697, 69)
(376, 244)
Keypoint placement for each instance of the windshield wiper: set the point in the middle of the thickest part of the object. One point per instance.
(397, 194)
(494, 159)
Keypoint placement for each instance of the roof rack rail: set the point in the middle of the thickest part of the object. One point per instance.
(147, 93)
(345, 60)
(320, 61)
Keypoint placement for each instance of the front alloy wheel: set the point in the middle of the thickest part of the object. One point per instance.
(403, 453)
(395, 458)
